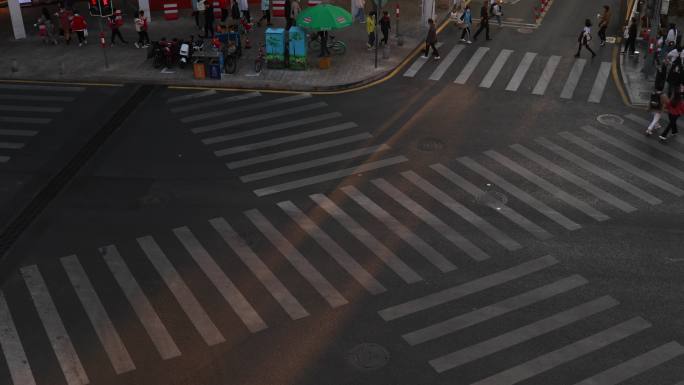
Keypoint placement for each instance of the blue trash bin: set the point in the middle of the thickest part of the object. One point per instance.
(214, 69)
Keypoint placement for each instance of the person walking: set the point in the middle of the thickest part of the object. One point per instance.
(431, 40)
(141, 29)
(197, 12)
(658, 99)
(360, 12)
(497, 12)
(584, 39)
(115, 22)
(385, 26)
(45, 27)
(467, 18)
(288, 14)
(675, 108)
(323, 37)
(631, 35)
(484, 22)
(604, 20)
(672, 36)
(674, 76)
(265, 13)
(64, 15)
(370, 29)
(79, 25)
(296, 8)
(208, 19)
(244, 8)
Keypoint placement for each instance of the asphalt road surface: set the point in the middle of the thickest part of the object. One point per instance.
(493, 218)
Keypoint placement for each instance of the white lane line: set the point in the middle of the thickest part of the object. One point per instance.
(221, 282)
(573, 79)
(482, 314)
(12, 349)
(195, 95)
(446, 62)
(187, 301)
(367, 239)
(635, 152)
(622, 164)
(641, 138)
(19, 119)
(271, 128)
(567, 353)
(295, 184)
(216, 102)
(404, 233)
(465, 289)
(522, 334)
(37, 98)
(635, 366)
(528, 199)
(547, 186)
(243, 108)
(54, 328)
(286, 300)
(109, 337)
(349, 264)
(521, 71)
(603, 174)
(257, 118)
(471, 65)
(502, 209)
(141, 305)
(298, 151)
(496, 68)
(432, 220)
(465, 213)
(11, 145)
(285, 139)
(418, 64)
(13, 108)
(18, 132)
(572, 178)
(547, 74)
(296, 259)
(600, 83)
(313, 163)
(29, 87)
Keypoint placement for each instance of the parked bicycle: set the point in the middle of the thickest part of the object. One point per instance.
(337, 47)
(230, 57)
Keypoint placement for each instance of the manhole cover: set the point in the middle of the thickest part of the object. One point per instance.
(610, 120)
(493, 199)
(525, 30)
(430, 144)
(368, 356)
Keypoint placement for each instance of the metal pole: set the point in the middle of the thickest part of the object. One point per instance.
(104, 51)
(649, 65)
(376, 32)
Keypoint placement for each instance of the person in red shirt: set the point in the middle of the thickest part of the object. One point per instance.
(115, 22)
(64, 16)
(79, 25)
(675, 108)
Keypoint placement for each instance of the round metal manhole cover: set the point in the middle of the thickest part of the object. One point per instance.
(525, 30)
(430, 144)
(610, 120)
(493, 199)
(368, 356)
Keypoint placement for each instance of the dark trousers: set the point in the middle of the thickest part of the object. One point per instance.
(115, 33)
(324, 44)
(224, 15)
(246, 15)
(466, 31)
(209, 28)
(585, 45)
(485, 26)
(434, 49)
(197, 17)
(602, 33)
(371, 39)
(288, 23)
(143, 37)
(385, 35)
(265, 15)
(630, 44)
(81, 36)
(672, 126)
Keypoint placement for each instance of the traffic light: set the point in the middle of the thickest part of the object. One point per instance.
(101, 8)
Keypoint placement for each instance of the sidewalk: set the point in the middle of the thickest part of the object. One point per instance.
(36, 61)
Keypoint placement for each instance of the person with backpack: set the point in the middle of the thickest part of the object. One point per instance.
(584, 39)
(431, 40)
(484, 22)
(604, 20)
(467, 19)
(80, 26)
(631, 35)
(675, 108)
(141, 29)
(673, 36)
(115, 22)
(385, 26)
(674, 76)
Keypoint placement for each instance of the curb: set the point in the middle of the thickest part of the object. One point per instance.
(616, 68)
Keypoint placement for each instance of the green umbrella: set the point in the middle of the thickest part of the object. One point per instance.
(324, 17)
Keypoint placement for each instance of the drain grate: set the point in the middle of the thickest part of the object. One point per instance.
(430, 144)
(610, 120)
(368, 356)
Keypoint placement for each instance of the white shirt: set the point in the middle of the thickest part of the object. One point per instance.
(672, 55)
(242, 4)
(671, 36)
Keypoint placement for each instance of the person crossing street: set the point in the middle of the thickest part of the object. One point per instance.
(467, 19)
(604, 20)
(584, 39)
(484, 22)
(431, 40)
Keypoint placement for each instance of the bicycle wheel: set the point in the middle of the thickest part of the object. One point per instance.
(230, 64)
(339, 48)
(258, 65)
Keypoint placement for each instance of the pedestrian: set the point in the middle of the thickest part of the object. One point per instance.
(360, 12)
(197, 11)
(484, 22)
(265, 13)
(294, 12)
(141, 29)
(323, 37)
(115, 22)
(80, 26)
(497, 11)
(631, 35)
(673, 36)
(385, 26)
(45, 27)
(658, 99)
(208, 19)
(64, 15)
(604, 20)
(467, 18)
(244, 8)
(235, 13)
(431, 40)
(370, 29)
(674, 76)
(288, 14)
(584, 39)
(223, 4)
(675, 108)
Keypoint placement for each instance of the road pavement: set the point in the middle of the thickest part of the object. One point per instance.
(451, 226)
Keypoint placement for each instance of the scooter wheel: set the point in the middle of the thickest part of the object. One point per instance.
(258, 66)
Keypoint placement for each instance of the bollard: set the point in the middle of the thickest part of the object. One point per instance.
(15, 66)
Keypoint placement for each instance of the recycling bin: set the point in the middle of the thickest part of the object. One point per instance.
(199, 71)
(214, 69)
(297, 48)
(275, 47)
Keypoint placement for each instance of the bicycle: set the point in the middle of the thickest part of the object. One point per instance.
(337, 47)
(230, 58)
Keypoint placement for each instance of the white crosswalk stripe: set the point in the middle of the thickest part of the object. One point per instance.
(600, 83)
(521, 71)
(446, 62)
(546, 76)
(215, 102)
(471, 65)
(18, 132)
(12, 348)
(496, 68)
(418, 64)
(195, 95)
(573, 80)
(640, 137)
(243, 108)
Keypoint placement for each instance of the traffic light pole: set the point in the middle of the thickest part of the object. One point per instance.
(103, 44)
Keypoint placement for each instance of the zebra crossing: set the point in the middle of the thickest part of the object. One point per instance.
(26, 108)
(319, 252)
(240, 128)
(532, 71)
